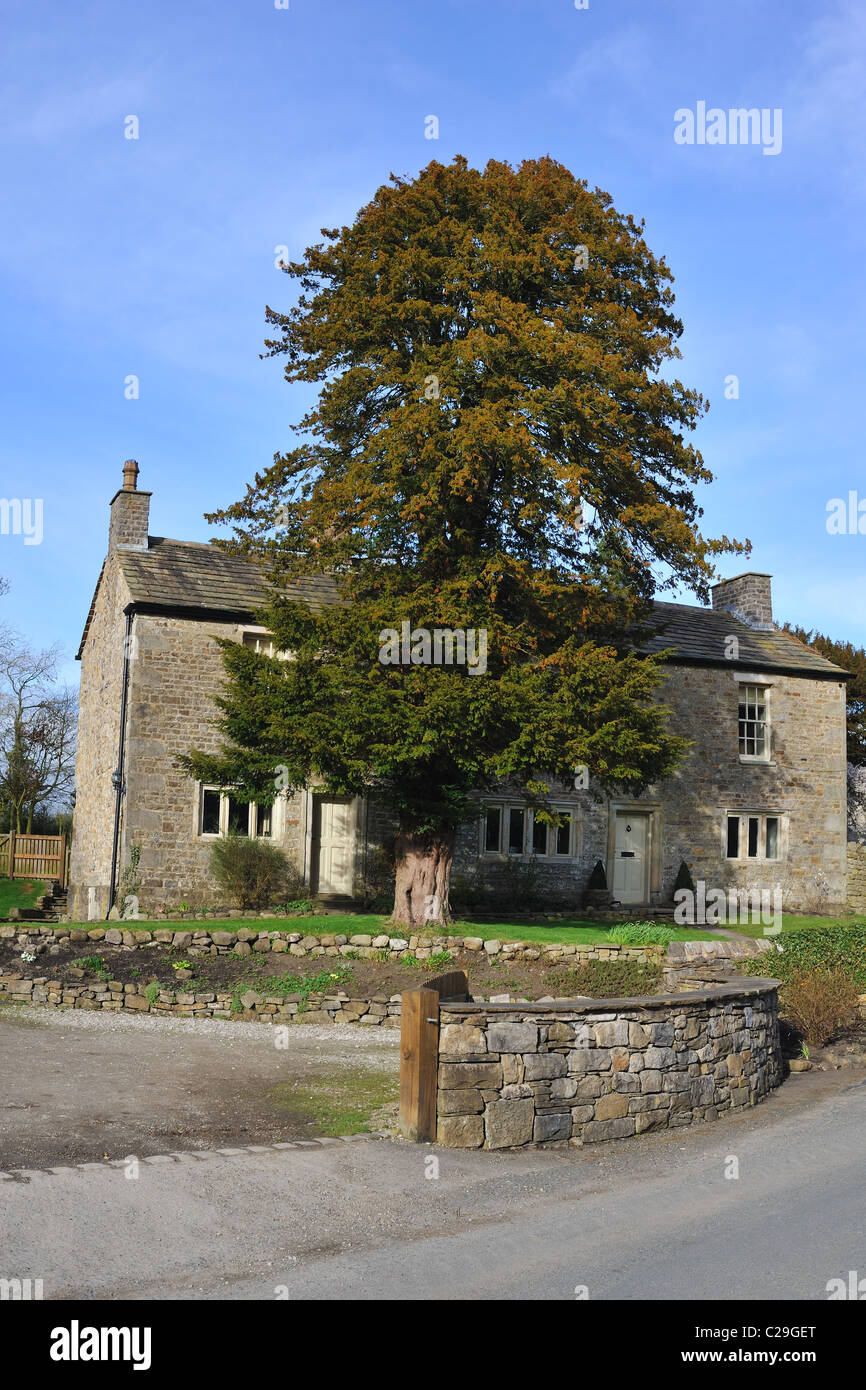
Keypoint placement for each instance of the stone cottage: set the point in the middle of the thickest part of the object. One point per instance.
(759, 802)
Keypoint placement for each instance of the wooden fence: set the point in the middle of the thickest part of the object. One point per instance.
(419, 1052)
(34, 856)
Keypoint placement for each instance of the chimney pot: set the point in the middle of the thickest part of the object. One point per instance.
(130, 475)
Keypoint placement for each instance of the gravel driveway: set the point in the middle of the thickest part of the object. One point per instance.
(80, 1086)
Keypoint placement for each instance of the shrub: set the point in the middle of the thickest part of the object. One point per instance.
(820, 1003)
(684, 878)
(598, 878)
(820, 948)
(608, 979)
(252, 873)
(641, 933)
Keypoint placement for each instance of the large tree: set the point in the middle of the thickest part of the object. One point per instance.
(495, 447)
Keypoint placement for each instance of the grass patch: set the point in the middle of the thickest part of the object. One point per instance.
(357, 1101)
(608, 979)
(19, 892)
(792, 923)
(574, 930)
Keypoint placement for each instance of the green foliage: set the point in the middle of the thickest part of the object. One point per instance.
(253, 873)
(496, 446)
(841, 947)
(642, 933)
(684, 878)
(438, 960)
(284, 986)
(94, 965)
(608, 979)
(129, 882)
(151, 992)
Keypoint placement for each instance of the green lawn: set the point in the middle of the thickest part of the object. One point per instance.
(793, 922)
(19, 892)
(575, 931)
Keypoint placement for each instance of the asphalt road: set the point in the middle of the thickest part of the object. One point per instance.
(653, 1218)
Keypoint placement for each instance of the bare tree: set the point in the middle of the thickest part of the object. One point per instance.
(37, 733)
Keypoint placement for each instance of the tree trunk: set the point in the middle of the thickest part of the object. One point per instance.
(423, 878)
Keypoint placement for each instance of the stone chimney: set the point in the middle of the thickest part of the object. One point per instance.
(130, 511)
(748, 598)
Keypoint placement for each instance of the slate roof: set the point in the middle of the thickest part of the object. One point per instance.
(193, 574)
(699, 636)
(194, 577)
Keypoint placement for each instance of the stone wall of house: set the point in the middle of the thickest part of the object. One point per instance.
(856, 876)
(98, 736)
(579, 1073)
(175, 676)
(176, 673)
(557, 882)
(805, 783)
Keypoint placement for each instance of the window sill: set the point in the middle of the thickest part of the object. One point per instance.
(754, 860)
(757, 762)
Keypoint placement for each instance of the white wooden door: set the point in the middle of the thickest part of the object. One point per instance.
(333, 848)
(629, 865)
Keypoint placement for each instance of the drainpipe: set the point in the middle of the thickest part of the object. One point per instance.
(117, 775)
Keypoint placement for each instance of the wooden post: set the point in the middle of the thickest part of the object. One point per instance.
(12, 854)
(419, 1064)
(61, 868)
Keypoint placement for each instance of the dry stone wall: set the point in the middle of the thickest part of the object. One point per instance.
(578, 1073)
(28, 983)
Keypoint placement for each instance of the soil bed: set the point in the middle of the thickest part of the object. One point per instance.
(175, 968)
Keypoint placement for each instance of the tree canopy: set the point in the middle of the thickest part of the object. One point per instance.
(494, 449)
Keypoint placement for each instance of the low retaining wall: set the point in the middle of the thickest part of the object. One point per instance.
(29, 984)
(582, 1072)
(320, 1008)
(366, 946)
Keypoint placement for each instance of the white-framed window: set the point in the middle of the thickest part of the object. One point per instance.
(258, 639)
(510, 827)
(753, 711)
(219, 812)
(753, 835)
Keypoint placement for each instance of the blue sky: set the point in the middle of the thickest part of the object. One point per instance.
(155, 257)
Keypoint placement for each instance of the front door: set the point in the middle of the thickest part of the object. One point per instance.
(630, 855)
(333, 847)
